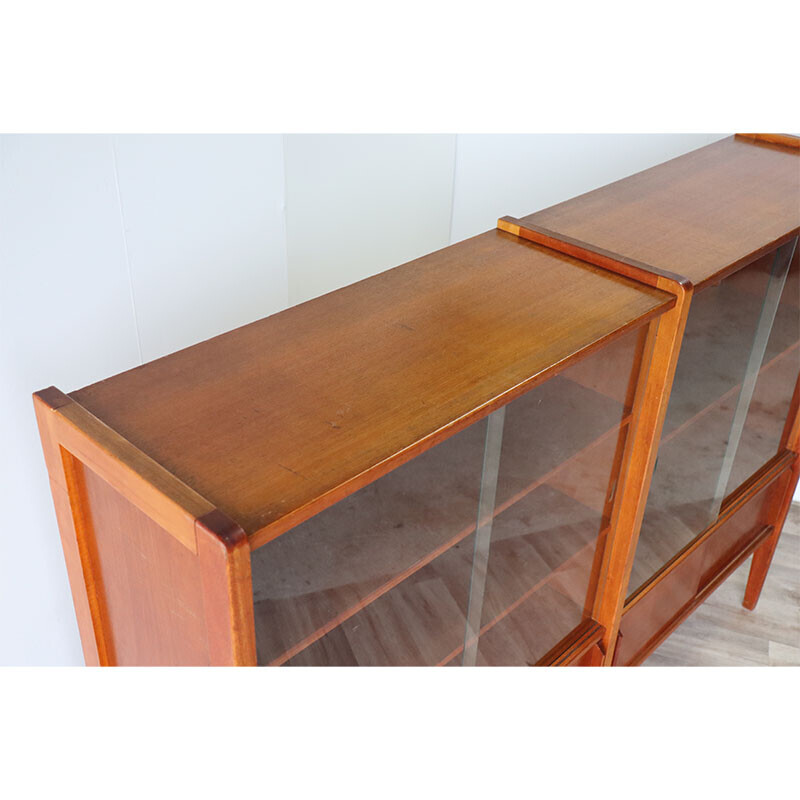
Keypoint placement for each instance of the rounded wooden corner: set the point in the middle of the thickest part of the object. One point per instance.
(225, 530)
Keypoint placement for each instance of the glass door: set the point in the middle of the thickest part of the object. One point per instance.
(483, 550)
(734, 382)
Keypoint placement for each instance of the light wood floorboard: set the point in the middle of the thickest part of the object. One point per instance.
(722, 633)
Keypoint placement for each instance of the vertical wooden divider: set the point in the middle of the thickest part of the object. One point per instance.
(656, 373)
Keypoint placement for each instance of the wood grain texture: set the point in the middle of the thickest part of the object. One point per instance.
(701, 215)
(279, 419)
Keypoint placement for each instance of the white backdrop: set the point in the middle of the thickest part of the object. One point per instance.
(115, 250)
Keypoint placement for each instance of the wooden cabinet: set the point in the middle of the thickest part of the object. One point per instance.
(451, 462)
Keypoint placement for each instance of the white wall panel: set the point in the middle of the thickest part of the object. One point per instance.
(359, 204)
(205, 234)
(499, 174)
(65, 318)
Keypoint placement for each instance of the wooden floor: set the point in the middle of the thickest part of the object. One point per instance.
(722, 633)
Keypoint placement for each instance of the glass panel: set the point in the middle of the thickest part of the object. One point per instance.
(729, 341)
(551, 465)
(763, 427)
(382, 577)
(480, 551)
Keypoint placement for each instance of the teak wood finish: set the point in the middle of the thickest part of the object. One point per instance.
(166, 477)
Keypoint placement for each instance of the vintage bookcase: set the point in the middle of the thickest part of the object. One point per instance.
(450, 462)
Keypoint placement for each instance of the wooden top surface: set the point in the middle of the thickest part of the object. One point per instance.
(699, 215)
(274, 421)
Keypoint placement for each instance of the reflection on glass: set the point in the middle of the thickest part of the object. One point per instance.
(734, 333)
(483, 534)
(483, 550)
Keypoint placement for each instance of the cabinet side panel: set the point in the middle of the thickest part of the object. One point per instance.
(150, 583)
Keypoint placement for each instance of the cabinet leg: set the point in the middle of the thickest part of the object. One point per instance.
(762, 557)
